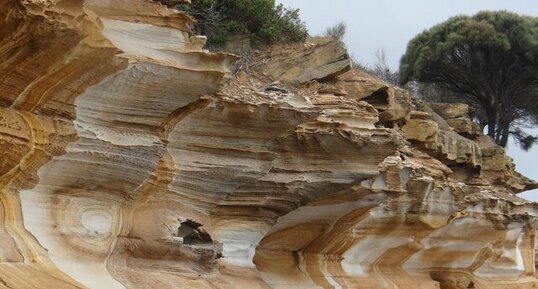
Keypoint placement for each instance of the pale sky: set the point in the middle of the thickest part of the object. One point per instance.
(390, 24)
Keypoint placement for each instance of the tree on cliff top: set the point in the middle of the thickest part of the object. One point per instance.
(489, 60)
(261, 20)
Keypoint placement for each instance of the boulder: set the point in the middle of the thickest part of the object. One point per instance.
(317, 59)
(421, 128)
(394, 104)
(459, 117)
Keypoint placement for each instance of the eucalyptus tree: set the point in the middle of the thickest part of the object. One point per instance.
(489, 60)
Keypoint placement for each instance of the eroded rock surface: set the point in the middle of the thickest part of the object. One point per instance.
(318, 58)
(133, 158)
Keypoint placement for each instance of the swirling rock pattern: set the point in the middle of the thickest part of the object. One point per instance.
(133, 158)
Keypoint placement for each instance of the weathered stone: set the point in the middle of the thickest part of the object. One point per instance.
(421, 130)
(319, 58)
(465, 126)
(332, 89)
(393, 103)
(456, 148)
(132, 158)
(359, 84)
(451, 110)
(458, 116)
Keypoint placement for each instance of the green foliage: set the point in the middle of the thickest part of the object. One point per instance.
(261, 20)
(489, 60)
(337, 31)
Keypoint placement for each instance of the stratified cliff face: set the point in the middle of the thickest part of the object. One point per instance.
(133, 158)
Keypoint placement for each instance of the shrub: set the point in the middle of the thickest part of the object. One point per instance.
(260, 20)
(337, 31)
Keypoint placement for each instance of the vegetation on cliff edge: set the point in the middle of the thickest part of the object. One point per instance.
(263, 21)
(490, 61)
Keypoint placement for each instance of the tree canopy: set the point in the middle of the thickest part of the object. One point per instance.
(489, 60)
(261, 20)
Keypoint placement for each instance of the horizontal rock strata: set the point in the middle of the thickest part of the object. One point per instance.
(133, 158)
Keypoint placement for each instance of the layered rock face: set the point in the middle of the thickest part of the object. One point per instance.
(133, 158)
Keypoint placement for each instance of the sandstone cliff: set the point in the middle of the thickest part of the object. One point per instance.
(132, 158)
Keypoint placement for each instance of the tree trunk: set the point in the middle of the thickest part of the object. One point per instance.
(492, 119)
(504, 134)
(491, 128)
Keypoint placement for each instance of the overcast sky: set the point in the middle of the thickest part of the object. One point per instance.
(390, 24)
